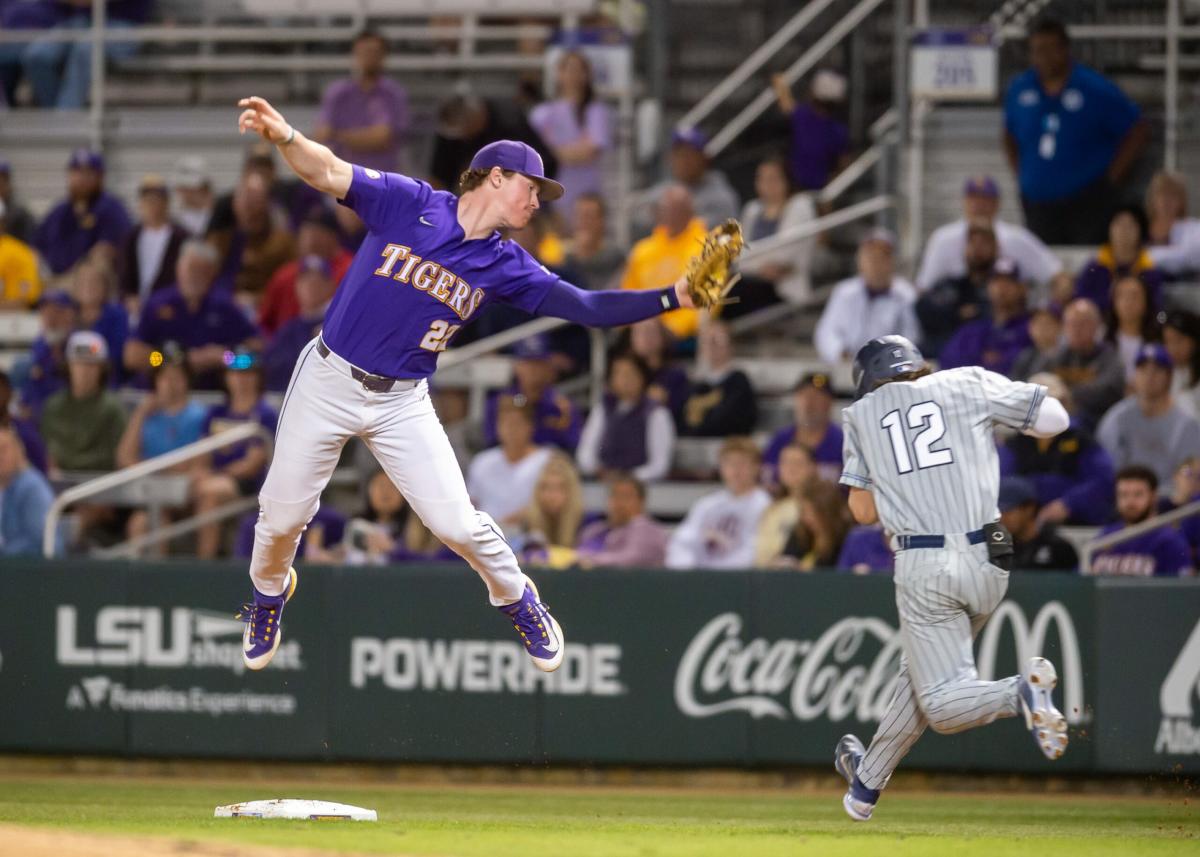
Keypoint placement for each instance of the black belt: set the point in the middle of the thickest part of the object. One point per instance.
(374, 383)
(975, 537)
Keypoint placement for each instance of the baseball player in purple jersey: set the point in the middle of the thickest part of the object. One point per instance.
(429, 262)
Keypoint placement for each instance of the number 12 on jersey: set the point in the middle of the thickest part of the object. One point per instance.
(928, 417)
(438, 336)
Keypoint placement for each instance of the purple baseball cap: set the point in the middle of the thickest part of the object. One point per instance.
(86, 159)
(521, 158)
(1007, 268)
(981, 185)
(693, 137)
(1152, 352)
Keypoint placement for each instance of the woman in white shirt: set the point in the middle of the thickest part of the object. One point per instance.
(1132, 321)
(629, 432)
(1174, 238)
(775, 208)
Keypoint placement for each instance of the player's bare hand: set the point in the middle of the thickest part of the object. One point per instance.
(261, 118)
(682, 294)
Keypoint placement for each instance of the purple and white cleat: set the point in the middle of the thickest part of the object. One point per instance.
(859, 801)
(539, 632)
(262, 616)
(1044, 722)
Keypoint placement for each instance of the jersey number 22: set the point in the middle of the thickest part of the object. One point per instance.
(438, 336)
(926, 416)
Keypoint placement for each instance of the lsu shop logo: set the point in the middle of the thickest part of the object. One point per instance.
(1178, 734)
(849, 670)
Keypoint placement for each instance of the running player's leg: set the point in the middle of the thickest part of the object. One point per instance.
(319, 414)
(410, 443)
(901, 725)
(941, 607)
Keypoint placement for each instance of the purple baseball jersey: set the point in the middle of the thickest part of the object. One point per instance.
(416, 280)
(1162, 552)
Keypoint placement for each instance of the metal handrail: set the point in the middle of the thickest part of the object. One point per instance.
(793, 73)
(814, 227)
(1124, 535)
(237, 434)
(237, 33)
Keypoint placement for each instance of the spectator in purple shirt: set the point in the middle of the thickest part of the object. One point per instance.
(995, 341)
(47, 368)
(94, 287)
(364, 117)
(25, 429)
(627, 536)
(204, 322)
(577, 127)
(556, 419)
(1124, 255)
(867, 550)
(1185, 489)
(820, 142)
(314, 290)
(238, 470)
(89, 220)
(814, 429)
(1162, 552)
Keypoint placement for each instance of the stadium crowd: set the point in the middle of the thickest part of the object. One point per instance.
(199, 290)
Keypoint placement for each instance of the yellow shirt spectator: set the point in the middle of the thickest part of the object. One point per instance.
(19, 281)
(660, 259)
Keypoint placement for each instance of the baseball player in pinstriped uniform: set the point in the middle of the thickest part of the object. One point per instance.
(429, 261)
(920, 457)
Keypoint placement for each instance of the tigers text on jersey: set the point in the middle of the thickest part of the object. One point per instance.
(416, 280)
(926, 448)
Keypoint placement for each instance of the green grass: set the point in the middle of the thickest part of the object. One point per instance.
(491, 821)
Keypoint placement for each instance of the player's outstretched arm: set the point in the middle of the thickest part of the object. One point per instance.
(315, 164)
(611, 308)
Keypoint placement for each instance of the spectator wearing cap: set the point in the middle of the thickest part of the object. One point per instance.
(820, 144)
(1124, 255)
(777, 208)
(194, 200)
(1037, 546)
(60, 72)
(467, 123)
(148, 255)
(20, 281)
(314, 290)
(877, 302)
(721, 401)
(957, 300)
(626, 537)
(663, 255)
(577, 127)
(26, 429)
(204, 322)
(1131, 321)
(591, 252)
(25, 499)
(1071, 137)
(318, 236)
(867, 550)
(237, 470)
(18, 221)
(255, 247)
(500, 480)
(628, 432)
(1090, 366)
(1173, 237)
(713, 198)
(89, 220)
(1181, 337)
(994, 342)
(1162, 552)
(556, 419)
(720, 529)
(1146, 427)
(364, 118)
(83, 423)
(1071, 474)
(47, 367)
(1045, 334)
(946, 253)
(813, 429)
(94, 287)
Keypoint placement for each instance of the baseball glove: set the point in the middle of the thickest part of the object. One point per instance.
(708, 273)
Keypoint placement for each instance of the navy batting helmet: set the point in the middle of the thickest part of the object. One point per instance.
(884, 358)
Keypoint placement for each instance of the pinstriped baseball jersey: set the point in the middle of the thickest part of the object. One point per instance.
(926, 448)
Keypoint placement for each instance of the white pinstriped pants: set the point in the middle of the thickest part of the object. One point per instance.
(323, 408)
(944, 597)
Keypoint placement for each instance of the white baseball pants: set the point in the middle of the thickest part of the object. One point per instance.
(944, 597)
(323, 408)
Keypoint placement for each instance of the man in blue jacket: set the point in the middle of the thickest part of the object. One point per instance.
(25, 498)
